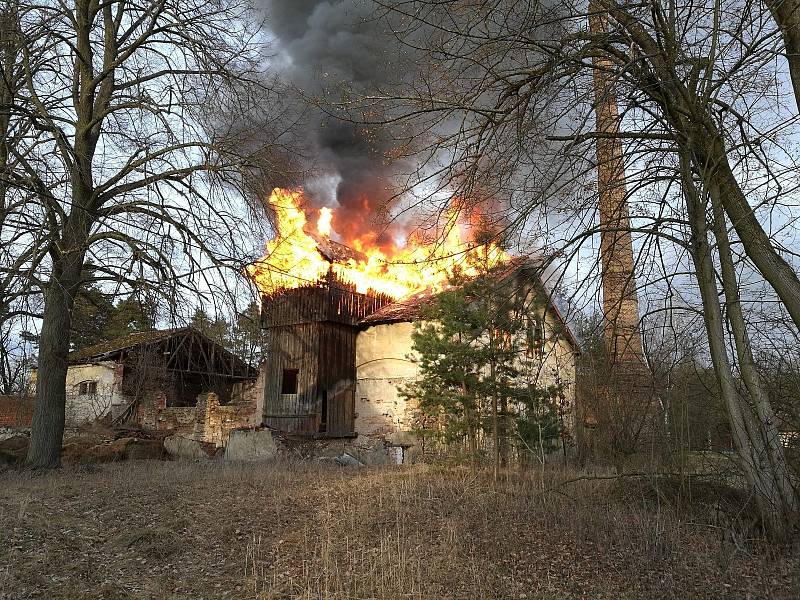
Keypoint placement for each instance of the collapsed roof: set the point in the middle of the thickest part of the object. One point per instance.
(217, 358)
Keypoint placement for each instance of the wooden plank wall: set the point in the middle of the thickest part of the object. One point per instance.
(313, 329)
(334, 302)
(324, 355)
(337, 359)
(292, 347)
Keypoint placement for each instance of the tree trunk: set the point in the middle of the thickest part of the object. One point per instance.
(786, 14)
(472, 440)
(495, 424)
(765, 438)
(47, 427)
(743, 430)
(504, 428)
(772, 266)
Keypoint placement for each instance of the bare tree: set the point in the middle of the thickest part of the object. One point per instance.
(132, 158)
(706, 143)
(787, 15)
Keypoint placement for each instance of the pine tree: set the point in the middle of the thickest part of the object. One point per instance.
(91, 314)
(218, 328)
(131, 314)
(247, 337)
(470, 345)
(242, 335)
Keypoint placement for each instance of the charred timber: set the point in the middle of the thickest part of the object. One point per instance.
(329, 301)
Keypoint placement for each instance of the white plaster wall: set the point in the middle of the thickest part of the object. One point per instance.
(83, 408)
(382, 368)
(555, 365)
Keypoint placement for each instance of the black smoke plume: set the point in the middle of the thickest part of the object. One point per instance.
(331, 49)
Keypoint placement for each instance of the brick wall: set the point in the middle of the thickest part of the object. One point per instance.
(15, 411)
(214, 422)
(208, 421)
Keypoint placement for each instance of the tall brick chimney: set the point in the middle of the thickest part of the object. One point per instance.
(620, 303)
(625, 406)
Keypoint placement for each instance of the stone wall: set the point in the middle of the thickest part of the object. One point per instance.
(207, 421)
(214, 422)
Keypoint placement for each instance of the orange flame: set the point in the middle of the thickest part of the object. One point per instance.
(325, 221)
(296, 258)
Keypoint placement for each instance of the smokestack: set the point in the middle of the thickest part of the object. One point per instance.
(620, 303)
(629, 412)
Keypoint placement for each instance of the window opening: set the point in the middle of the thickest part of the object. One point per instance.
(289, 381)
(535, 338)
(87, 387)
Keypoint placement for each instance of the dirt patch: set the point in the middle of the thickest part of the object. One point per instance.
(96, 445)
(156, 542)
(122, 449)
(13, 450)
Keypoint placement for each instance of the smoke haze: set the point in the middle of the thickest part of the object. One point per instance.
(329, 49)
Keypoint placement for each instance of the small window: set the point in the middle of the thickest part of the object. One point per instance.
(87, 387)
(289, 381)
(535, 338)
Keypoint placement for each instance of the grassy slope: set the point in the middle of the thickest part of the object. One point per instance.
(180, 530)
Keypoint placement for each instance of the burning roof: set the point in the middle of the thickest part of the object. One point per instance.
(411, 308)
(303, 253)
(334, 252)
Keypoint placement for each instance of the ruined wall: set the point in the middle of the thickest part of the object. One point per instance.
(208, 421)
(214, 422)
(250, 394)
(16, 413)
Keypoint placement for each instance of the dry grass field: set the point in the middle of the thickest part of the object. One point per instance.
(302, 530)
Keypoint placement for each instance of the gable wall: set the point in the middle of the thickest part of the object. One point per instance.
(383, 367)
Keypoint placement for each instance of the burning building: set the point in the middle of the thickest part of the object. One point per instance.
(339, 321)
(310, 371)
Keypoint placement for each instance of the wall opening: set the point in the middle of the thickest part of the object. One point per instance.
(289, 381)
(87, 387)
(397, 454)
(323, 418)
